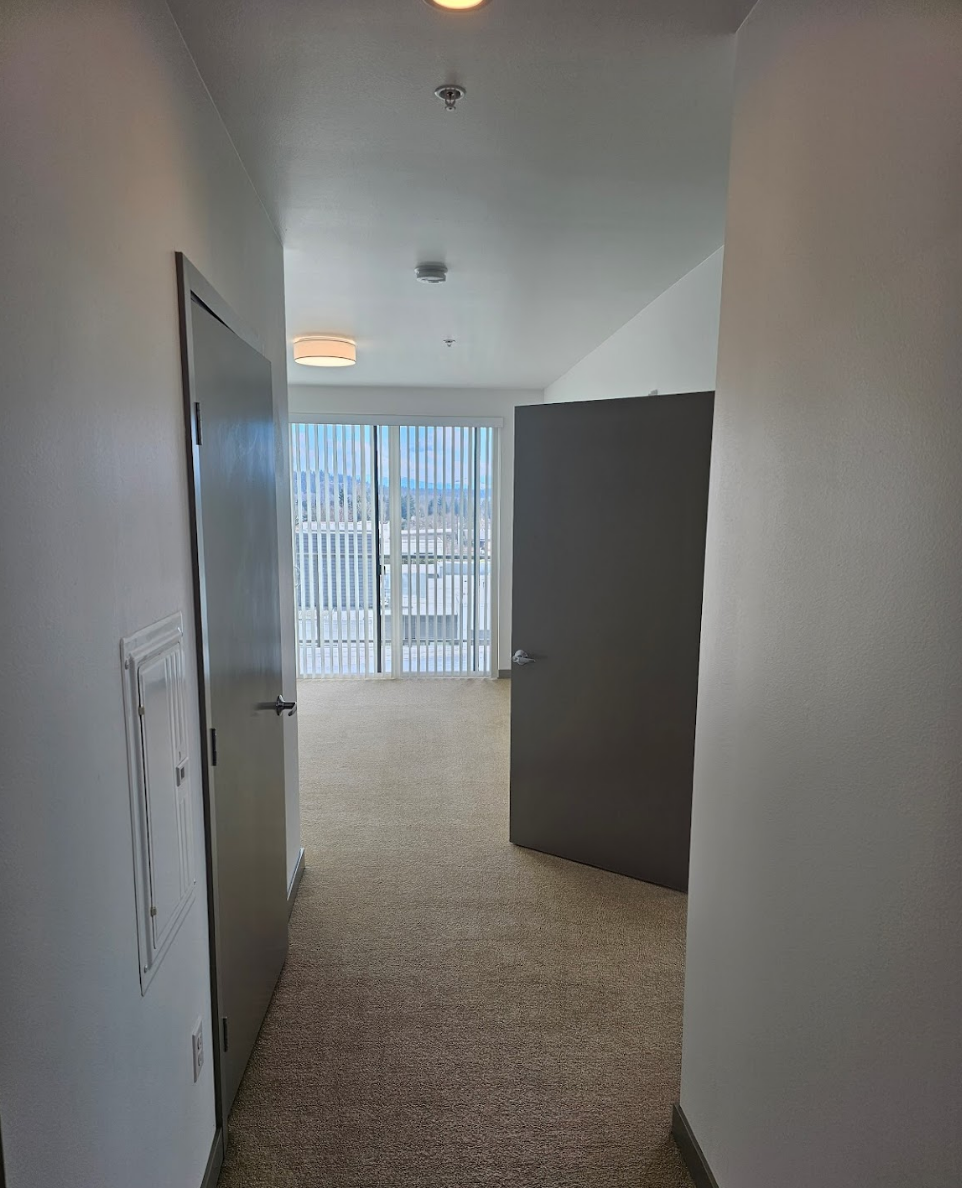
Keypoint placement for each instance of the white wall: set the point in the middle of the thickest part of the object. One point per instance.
(823, 1036)
(113, 158)
(671, 346)
(322, 400)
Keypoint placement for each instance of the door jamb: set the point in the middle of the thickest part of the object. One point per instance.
(191, 284)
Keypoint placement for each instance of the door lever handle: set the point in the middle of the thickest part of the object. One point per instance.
(281, 705)
(522, 657)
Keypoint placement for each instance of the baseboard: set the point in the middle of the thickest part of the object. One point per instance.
(691, 1152)
(215, 1162)
(504, 674)
(295, 881)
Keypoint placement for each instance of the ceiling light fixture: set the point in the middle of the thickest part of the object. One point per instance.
(457, 5)
(450, 93)
(431, 274)
(325, 350)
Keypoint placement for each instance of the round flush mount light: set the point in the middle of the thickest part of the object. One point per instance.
(457, 5)
(325, 350)
(431, 274)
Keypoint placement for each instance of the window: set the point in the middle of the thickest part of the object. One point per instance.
(394, 548)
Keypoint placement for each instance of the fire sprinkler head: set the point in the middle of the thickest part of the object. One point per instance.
(450, 93)
(431, 274)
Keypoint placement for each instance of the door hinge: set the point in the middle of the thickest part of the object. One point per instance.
(198, 425)
(213, 747)
(223, 1028)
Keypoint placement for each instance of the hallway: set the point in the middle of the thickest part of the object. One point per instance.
(454, 1011)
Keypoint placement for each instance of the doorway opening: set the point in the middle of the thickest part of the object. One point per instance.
(395, 547)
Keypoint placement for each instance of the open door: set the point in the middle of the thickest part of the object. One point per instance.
(234, 495)
(609, 548)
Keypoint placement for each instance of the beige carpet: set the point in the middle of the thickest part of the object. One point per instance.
(454, 1011)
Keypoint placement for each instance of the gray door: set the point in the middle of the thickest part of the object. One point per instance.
(609, 548)
(239, 581)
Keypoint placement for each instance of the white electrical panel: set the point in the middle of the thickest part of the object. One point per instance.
(155, 704)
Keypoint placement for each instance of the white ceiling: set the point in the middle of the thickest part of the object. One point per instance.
(583, 174)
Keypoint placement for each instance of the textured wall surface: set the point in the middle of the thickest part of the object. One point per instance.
(671, 346)
(114, 158)
(823, 1038)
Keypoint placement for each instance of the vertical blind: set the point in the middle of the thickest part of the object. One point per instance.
(393, 548)
(335, 557)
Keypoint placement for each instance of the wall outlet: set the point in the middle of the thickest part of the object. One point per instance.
(197, 1048)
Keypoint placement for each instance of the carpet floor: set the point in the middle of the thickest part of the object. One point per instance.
(454, 1011)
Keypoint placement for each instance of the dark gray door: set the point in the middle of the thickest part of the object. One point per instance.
(609, 549)
(239, 580)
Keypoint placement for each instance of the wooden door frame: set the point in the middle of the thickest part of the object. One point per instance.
(191, 284)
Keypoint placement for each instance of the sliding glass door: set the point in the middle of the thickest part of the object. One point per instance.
(335, 511)
(394, 548)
